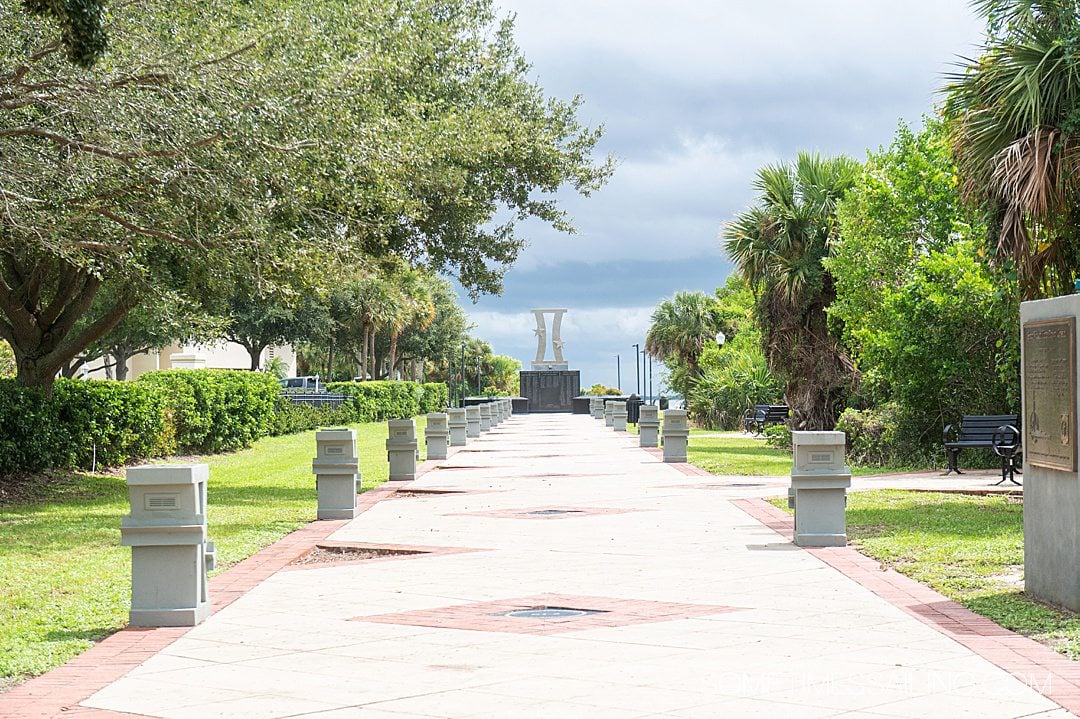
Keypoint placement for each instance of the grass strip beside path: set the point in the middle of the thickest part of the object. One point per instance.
(968, 548)
(65, 581)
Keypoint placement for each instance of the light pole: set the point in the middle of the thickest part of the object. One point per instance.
(477, 375)
(464, 381)
(618, 373)
(652, 397)
(637, 367)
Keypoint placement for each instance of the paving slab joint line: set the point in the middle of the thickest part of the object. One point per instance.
(1016, 654)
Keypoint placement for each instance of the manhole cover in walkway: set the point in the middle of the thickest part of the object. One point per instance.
(550, 613)
(547, 512)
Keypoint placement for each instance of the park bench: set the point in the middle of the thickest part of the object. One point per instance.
(996, 432)
(755, 420)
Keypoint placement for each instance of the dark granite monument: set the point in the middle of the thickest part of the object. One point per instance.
(550, 386)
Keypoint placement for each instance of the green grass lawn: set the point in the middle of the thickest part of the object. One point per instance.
(969, 548)
(735, 453)
(65, 581)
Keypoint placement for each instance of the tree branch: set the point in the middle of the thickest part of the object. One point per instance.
(148, 231)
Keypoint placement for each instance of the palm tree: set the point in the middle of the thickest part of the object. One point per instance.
(681, 325)
(778, 246)
(1016, 137)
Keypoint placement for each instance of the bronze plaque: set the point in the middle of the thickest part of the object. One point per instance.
(1050, 393)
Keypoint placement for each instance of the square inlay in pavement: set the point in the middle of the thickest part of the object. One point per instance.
(331, 553)
(548, 614)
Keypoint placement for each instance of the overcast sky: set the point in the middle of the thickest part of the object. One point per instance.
(694, 97)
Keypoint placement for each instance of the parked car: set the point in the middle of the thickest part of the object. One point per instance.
(301, 384)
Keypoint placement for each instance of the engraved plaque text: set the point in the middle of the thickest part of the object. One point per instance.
(1050, 393)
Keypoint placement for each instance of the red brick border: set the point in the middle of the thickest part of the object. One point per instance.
(58, 692)
(1051, 674)
(487, 616)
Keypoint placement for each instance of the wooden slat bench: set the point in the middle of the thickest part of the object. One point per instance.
(755, 420)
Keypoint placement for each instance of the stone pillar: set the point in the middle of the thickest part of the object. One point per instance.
(401, 449)
(618, 416)
(436, 435)
(609, 409)
(676, 435)
(1049, 378)
(458, 424)
(485, 416)
(596, 407)
(472, 419)
(819, 479)
(337, 476)
(170, 554)
(649, 426)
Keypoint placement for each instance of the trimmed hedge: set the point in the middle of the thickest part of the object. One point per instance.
(382, 400)
(170, 411)
(116, 420)
(216, 410)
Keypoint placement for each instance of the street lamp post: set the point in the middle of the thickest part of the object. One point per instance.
(637, 367)
(477, 375)
(464, 381)
(618, 373)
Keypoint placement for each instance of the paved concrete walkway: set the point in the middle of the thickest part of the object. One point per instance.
(697, 606)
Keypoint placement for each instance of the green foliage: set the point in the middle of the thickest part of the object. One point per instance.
(217, 410)
(778, 246)
(7, 360)
(872, 435)
(81, 26)
(382, 400)
(291, 417)
(599, 390)
(680, 328)
(736, 375)
(112, 421)
(778, 436)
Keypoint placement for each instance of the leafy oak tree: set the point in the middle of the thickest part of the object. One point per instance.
(262, 140)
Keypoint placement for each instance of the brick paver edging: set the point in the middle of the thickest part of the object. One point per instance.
(58, 692)
(1051, 674)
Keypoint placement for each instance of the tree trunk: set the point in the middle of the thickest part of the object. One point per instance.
(121, 354)
(393, 354)
(330, 363)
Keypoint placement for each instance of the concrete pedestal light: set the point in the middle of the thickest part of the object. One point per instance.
(596, 407)
(170, 556)
(337, 476)
(819, 479)
(618, 416)
(458, 424)
(472, 419)
(676, 435)
(609, 419)
(436, 435)
(485, 416)
(648, 426)
(401, 449)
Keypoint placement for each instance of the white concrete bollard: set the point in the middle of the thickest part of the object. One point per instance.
(485, 417)
(819, 480)
(436, 435)
(648, 426)
(458, 424)
(337, 476)
(402, 449)
(170, 554)
(618, 416)
(472, 418)
(609, 420)
(596, 407)
(676, 435)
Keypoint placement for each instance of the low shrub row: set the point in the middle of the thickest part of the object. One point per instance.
(177, 411)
